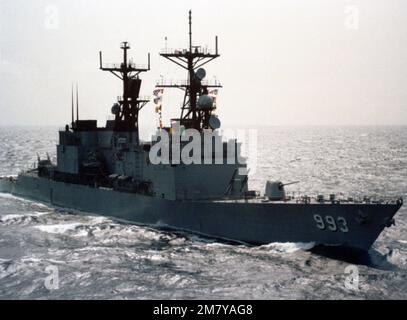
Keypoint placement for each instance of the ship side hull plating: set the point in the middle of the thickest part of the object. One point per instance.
(347, 225)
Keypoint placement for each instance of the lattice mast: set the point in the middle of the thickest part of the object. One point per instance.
(193, 113)
(128, 106)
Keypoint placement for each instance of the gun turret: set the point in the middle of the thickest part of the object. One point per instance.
(289, 183)
(275, 190)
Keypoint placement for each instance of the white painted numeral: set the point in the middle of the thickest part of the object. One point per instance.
(320, 222)
(343, 224)
(329, 222)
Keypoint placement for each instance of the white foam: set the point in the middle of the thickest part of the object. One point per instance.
(82, 233)
(5, 260)
(13, 197)
(58, 228)
(177, 241)
(396, 257)
(157, 257)
(31, 259)
(98, 220)
(9, 217)
(211, 244)
(41, 213)
(56, 261)
(8, 196)
(288, 247)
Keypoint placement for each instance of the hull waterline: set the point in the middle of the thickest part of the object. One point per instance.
(354, 225)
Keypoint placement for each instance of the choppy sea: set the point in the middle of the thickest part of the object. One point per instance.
(54, 253)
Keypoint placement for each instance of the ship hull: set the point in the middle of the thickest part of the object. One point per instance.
(354, 225)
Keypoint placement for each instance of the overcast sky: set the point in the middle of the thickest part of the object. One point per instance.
(283, 62)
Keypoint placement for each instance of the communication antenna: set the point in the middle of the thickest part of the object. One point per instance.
(72, 107)
(77, 102)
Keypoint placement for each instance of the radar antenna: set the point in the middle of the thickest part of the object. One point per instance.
(197, 107)
(129, 104)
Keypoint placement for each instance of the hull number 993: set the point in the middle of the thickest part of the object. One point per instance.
(330, 223)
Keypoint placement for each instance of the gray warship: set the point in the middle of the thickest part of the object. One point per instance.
(109, 171)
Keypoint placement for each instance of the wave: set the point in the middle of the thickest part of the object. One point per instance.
(8, 196)
(13, 197)
(20, 218)
(58, 228)
(287, 247)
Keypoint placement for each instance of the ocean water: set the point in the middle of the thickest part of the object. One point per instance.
(93, 257)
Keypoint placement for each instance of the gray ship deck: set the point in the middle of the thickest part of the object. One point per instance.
(312, 200)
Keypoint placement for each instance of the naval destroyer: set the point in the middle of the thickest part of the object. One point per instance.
(109, 171)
